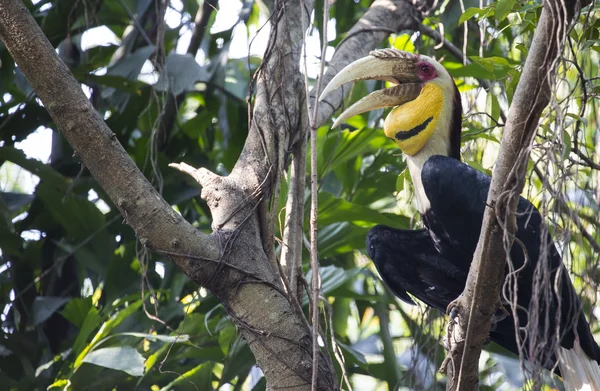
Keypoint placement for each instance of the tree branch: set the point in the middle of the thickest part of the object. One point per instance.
(231, 262)
(293, 234)
(95, 144)
(476, 305)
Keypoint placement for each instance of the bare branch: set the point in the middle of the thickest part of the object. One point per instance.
(291, 250)
(481, 297)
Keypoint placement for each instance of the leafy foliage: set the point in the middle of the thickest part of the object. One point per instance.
(84, 306)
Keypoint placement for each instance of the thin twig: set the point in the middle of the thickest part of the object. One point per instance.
(464, 51)
(458, 54)
(573, 216)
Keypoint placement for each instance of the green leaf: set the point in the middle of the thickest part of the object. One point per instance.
(402, 42)
(131, 64)
(340, 238)
(121, 315)
(355, 354)
(179, 338)
(15, 201)
(84, 223)
(591, 43)
(53, 360)
(513, 80)
(332, 277)
(92, 320)
(477, 133)
(495, 108)
(197, 378)
(128, 67)
(338, 147)
(577, 117)
(490, 63)
(566, 150)
(479, 167)
(490, 68)
(468, 14)
(239, 361)
(45, 306)
(226, 336)
(470, 70)
(180, 73)
(503, 8)
(334, 210)
(117, 82)
(522, 48)
(34, 166)
(62, 384)
(400, 182)
(120, 358)
(104, 330)
(403, 181)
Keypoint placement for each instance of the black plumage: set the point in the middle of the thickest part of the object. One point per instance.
(432, 264)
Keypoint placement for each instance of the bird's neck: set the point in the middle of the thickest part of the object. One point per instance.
(444, 140)
(438, 144)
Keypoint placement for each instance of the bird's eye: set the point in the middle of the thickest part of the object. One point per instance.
(426, 71)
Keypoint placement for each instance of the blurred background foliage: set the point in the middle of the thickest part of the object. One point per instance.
(85, 306)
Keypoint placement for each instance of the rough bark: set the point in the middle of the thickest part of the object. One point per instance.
(474, 308)
(235, 262)
(231, 262)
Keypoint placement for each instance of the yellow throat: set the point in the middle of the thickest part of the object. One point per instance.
(412, 124)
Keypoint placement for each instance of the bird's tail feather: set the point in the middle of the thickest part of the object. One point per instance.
(579, 372)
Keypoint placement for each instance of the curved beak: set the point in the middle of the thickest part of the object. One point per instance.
(391, 65)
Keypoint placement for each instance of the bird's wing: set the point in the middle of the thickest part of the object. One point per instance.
(407, 261)
(457, 194)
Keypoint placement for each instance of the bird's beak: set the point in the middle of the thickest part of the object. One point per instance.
(391, 65)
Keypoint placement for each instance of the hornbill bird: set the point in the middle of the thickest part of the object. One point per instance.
(432, 263)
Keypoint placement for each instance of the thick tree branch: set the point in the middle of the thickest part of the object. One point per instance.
(231, 262)
(481, 297)
(243, 202)
(154, 221)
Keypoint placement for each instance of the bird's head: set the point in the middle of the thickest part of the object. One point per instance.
(427, 109)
